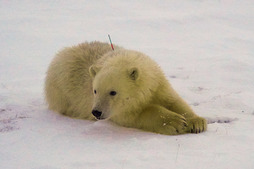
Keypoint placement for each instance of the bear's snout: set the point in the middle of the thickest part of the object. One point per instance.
(97, 114)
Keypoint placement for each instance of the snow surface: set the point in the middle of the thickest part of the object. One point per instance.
(204, 47)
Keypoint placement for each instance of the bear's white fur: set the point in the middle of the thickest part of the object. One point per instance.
(124, 86)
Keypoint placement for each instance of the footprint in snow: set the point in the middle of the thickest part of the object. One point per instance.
(211, 120)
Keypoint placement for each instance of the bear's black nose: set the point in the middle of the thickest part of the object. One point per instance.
(97, 114)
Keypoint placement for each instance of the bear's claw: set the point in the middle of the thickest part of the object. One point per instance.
(196, 125)
(179, 123)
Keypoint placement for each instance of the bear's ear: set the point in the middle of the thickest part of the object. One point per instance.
(93, 70)
(133, 73)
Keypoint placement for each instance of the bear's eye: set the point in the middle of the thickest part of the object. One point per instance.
(112, 93)
(94, 91)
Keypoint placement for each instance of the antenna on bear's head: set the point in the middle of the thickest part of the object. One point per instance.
(111, 42)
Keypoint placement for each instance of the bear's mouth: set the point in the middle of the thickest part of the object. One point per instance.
(99, 118)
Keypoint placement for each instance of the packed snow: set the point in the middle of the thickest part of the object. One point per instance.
(205, 49)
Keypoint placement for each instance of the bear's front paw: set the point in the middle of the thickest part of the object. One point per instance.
(196, 125)
(178, 123)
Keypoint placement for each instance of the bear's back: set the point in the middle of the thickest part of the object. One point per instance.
(68, 81)
(71, 64)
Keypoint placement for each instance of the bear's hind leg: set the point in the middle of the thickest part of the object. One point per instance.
(56, 100)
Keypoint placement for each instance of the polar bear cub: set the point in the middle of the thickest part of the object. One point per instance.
(90, 81)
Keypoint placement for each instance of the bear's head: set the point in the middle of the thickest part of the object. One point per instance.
(122, 81)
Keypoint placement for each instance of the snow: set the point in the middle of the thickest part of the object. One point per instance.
(204, 47)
